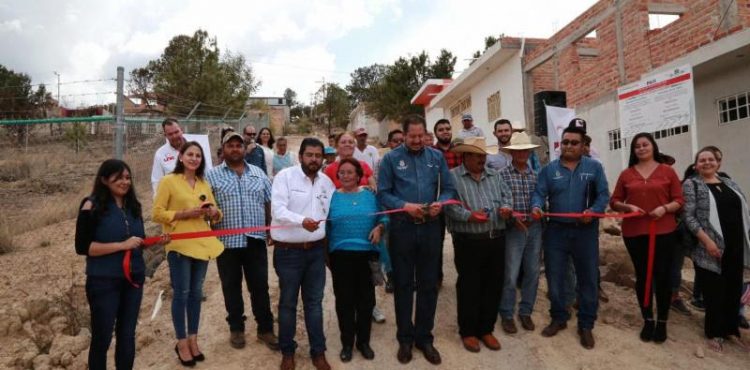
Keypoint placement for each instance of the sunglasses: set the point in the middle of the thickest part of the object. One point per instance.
(247, 134)
(570, 142)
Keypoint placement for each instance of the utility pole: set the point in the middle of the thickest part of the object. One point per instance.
(58, 88)
(120, 119)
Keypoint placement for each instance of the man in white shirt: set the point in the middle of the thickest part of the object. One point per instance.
(469, 129)
(503, 132)
(364, 152)
(300, 200)
(166, 156)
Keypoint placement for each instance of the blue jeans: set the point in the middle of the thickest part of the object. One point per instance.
(187, 275)
(415, 251)
(306, 270)
(522, 248)
(114, 303)
(581, 243)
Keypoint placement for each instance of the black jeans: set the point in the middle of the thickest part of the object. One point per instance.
(355, 294)
(662, 274)
(114, 303)
(252, 262)
(415, 251)
(481, 267)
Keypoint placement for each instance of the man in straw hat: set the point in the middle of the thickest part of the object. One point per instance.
(478, 229)
(523, 238)
(572, 184)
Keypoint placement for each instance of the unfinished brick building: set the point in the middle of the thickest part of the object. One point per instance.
(616, 42)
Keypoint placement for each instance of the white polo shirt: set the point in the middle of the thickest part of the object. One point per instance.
(295, 197)
(370, 156)
(165, 160)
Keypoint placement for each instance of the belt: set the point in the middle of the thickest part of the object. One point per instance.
(409, 219)
(304, 245)
(487, 235)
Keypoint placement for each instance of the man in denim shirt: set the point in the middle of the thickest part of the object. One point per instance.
(573, 183)
(415, 178)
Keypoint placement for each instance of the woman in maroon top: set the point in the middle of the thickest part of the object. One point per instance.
(345, 143)
(652, 188)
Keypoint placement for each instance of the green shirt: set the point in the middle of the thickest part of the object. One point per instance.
(489, 193)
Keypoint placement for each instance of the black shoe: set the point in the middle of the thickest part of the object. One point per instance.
(404, 353)
(587, 338)
(743, 322)
(346, 354)
(554, 327)
(188, 363)
(660, 332)
(647, 333)
(430, 353)
(366, 351)
(679, 306)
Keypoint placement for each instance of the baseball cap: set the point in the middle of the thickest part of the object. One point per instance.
(329, 150)
(578, 122)
(466, 117)
(360, 131)
(232, 135)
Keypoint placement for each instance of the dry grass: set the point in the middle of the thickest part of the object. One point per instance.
(14, 170)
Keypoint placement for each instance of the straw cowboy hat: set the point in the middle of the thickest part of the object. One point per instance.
(476, 145)
(520, 141)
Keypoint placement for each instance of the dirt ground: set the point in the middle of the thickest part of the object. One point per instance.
(44, 314)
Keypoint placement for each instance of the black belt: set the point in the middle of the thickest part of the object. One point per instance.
(487, 235)
(304, 245)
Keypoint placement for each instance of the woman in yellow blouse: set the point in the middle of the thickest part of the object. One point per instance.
(184, 203)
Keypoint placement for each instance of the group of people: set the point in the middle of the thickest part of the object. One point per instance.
(319, 211)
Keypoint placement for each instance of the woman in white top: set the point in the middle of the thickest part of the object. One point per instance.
(265, 139)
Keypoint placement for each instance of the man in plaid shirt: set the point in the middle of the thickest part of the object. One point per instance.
(243, 193)
(523, 239)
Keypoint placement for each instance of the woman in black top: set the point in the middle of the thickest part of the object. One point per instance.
(109, 225)
(717, 213)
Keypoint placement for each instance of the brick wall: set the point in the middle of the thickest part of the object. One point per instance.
(586, 78)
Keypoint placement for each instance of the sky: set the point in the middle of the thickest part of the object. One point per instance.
(298, 44)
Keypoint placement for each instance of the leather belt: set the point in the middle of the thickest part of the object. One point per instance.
(487, 235)
(303, 246)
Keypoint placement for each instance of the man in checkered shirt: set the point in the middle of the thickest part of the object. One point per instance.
(243, 193)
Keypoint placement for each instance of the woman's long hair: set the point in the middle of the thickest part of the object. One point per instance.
(634, 159)
(101, 194)
(270, 137)
(180, 167)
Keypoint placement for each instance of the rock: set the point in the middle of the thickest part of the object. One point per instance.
(699, 352)
(67, 344)
(41, 362)
(609, 319)
(58, 324)
(612, 230)
(66, 359)
(23, 313)
(37, 307)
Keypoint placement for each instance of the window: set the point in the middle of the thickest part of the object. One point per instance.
(616, 142)
(657, 21)
(281, 102)
(670, 132)
(462, 105)
(493, 106)
(734, 108)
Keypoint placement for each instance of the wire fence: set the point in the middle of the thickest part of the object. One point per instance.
(47, 166)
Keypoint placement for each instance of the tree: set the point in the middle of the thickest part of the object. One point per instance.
(18, 99)
(291, 97)
(390, 95)
(192, 69)
(363, 80)
(335, 105)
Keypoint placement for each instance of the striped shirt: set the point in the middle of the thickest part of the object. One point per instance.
(522, 184)
(242, 199)
(489, 193)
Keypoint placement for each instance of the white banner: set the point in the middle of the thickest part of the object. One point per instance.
(557, 120)
(657, 102)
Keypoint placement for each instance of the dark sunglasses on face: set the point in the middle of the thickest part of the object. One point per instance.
(247, 134)
(570, 142)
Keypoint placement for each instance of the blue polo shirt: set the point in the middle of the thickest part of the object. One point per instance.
(414, 177)
(571, 191)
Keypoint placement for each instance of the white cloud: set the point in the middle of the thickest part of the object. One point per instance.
(11, 26)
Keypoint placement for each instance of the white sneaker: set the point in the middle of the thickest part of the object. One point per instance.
(377, 316)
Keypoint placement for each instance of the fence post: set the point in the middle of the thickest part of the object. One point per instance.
(120, 119)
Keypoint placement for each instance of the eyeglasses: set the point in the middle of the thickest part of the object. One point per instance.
(250, 134)
(570, 142)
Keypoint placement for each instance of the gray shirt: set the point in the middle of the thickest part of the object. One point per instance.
(489, 193)
(498, 161)
(474, 131)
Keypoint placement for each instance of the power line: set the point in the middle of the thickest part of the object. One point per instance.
(61, 83)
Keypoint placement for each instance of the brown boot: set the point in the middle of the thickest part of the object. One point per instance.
(320, 363)
(287, 362)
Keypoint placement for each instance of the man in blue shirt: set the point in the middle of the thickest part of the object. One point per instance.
(253, 153)
(243, 193)
(573, 183)
(415, 178)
